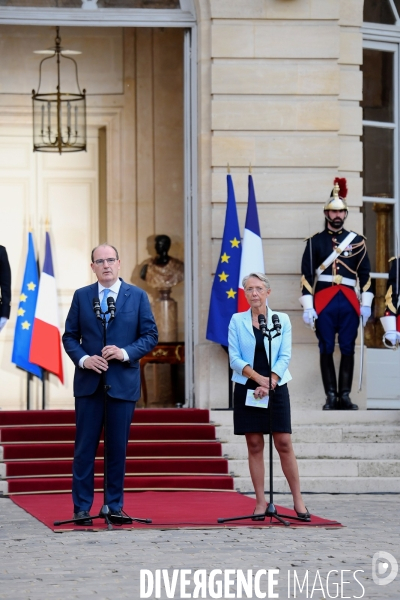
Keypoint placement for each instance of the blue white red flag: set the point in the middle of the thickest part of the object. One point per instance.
(252, 251)
(223, 302)
(26, 314)
(46, 337)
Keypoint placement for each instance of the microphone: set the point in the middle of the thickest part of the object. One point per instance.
(262, 323)
(97, 308)
(276, 322)
(111, 307)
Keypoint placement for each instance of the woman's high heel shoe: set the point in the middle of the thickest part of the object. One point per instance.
(304, 516)
(259, 518)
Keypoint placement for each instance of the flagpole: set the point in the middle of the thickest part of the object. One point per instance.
(44, 389)
(28, 390)
(230, 386)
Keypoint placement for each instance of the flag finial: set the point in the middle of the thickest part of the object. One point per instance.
(250, 169)
(228, 168)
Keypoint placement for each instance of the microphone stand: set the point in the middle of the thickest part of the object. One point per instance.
(105, 511)
(270, 511)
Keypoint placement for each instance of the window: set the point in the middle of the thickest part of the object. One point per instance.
(379, 11)
(380, 144)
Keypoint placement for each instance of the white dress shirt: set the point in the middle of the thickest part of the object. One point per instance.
(114, 289)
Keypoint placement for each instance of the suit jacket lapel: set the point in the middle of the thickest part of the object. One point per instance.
(123, 294)
(247, 321)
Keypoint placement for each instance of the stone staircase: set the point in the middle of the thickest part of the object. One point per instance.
(338, 452)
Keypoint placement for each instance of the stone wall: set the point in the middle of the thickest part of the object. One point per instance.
(285, 91)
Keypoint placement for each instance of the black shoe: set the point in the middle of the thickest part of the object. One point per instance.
(331, 402)
(305, 516)
(345, 381)
(346, 403)
(329, 380)
(82, 518)
(258, 518)
(118, 517)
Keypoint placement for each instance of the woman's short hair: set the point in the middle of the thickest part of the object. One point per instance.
(261, 276)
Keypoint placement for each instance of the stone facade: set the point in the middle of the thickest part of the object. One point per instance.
(279, 86)
(285, 91)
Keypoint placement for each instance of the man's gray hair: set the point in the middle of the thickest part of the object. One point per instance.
(261, 276)
(102, 246)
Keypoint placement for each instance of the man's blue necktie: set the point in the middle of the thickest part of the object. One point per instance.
(104, 305)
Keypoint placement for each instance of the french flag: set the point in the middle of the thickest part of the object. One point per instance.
(46, 339)
(252, 260)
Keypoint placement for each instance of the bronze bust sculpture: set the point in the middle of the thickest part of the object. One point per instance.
(162, 272)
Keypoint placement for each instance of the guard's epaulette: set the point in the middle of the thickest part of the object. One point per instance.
(310, 236)
(359, 234)
(394, 258)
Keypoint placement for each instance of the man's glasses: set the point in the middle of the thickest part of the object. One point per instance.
(101, 261)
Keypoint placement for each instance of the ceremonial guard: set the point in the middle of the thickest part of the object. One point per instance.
(391, 320)
(332, 262)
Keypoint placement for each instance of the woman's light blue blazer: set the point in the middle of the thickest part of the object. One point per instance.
(242, 344)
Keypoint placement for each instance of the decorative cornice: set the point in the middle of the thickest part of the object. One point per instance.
(101, 17)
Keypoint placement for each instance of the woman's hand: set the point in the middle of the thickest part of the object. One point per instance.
(264, 382)
(261, 392)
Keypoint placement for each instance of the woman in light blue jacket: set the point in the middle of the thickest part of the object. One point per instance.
(249, 359)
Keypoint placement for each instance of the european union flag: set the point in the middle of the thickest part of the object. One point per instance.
(224, 294)
(26, 314)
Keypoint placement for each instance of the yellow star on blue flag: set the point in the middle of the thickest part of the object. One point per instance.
(26, 314)
(223, 302)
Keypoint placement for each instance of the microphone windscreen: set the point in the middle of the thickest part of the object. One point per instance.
(276, 322)
(96, 301)
(261, 319)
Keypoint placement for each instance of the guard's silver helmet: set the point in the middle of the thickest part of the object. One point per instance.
(337, 200)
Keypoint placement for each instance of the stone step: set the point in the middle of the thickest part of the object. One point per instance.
(324, 417)
(329, 485)
(364, 451)
(323, 467)
(329, 433)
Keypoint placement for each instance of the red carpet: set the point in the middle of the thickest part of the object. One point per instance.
(168, 510)
(168, 449)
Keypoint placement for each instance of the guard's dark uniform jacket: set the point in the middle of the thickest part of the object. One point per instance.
(5, 284)
(393, 291)
(341, 275)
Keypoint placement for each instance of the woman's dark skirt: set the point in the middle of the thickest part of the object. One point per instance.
(250, 419)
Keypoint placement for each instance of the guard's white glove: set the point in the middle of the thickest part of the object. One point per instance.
(392, 337)
(309, 316)
(3, 321)
(365, 313)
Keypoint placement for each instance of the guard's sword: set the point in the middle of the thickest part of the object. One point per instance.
(312, 272)
(398, 268)
(361, 353)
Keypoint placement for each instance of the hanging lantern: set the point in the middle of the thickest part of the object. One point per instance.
(59, 118)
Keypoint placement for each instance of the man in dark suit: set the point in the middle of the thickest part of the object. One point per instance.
(130, 336)
(5, 287)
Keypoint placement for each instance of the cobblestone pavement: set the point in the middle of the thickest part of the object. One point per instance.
(36, 563)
